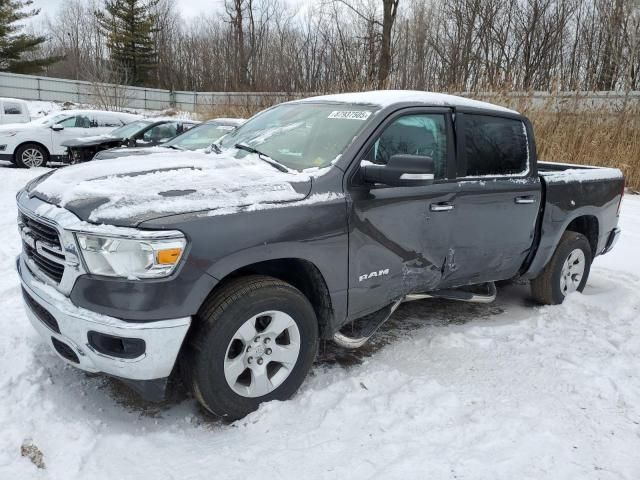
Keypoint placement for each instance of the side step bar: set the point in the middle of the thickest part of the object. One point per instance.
(459, 295)
(371, 325)
(375, 320)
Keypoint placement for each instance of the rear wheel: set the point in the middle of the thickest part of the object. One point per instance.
(31, 155)
(566, 272)
(255, 341)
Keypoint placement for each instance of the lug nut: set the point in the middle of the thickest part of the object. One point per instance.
(268, 351)
(257, 339)
(250, 359)
(267, 340)
(260, 361)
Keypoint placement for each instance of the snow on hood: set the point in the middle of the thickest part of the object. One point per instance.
(160, 184)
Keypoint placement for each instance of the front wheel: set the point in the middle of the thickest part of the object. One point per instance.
(566, 272)
(31, 155)
(254, 341)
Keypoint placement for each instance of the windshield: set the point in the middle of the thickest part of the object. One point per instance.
(302, 135)
(129, 129)
(200, 136)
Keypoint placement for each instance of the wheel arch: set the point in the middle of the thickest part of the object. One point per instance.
(31, 142)
(586, 223)
(300, 273)
(589, 226)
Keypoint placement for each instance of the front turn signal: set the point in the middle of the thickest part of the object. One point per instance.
(169, 256)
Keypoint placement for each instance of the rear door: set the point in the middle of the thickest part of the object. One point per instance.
(498, 198)
(398, 244)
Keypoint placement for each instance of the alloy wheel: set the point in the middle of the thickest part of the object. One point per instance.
(262, 353)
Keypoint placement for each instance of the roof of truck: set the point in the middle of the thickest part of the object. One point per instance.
(386, 98)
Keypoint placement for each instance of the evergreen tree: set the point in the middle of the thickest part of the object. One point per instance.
(14, 44)
(129, 26)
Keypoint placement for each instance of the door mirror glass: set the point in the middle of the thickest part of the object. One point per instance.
(57, 127)
(401, 170)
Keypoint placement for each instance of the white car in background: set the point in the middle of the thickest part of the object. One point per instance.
(13, 110)
(35, 143)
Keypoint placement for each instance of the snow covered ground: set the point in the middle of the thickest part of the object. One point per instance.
(446, 391)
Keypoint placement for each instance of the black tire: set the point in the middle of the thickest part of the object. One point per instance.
(20, 152)
(215, 326)
(546, 287)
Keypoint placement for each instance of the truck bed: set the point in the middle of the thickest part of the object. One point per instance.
(570, 191)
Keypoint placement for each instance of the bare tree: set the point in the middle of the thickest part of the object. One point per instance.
(457, 45)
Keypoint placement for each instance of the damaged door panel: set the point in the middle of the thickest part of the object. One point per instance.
(392, 229)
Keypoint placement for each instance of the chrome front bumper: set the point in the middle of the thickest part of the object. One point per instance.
(162, 338)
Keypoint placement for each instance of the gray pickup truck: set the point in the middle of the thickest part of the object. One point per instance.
(311, 221)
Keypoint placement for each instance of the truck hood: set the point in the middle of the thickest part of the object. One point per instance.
(123, 192)
(91, 141)
(129, 151)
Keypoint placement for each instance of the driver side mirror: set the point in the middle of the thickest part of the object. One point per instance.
(402, 170)
(57, 127)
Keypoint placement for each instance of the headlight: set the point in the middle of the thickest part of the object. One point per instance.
(130, 258)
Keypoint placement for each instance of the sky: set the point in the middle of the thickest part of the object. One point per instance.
(187, 8)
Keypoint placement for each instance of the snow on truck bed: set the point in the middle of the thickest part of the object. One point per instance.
(446, 390)
(568, 172)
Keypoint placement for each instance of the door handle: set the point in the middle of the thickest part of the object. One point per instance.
(526, 200)
(441, 207)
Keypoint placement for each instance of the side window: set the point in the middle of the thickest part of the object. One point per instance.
(183, 127)
(495, 146)
(12, 109)
(161, 133)
(68, 122)
(421, 134)
(83, 121)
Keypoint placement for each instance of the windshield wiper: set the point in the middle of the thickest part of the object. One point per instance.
(175, 147)
(215, 147)
(262, 156)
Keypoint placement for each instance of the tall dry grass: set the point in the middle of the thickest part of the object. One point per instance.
(571, 131)
(566, 131)
(593, 138)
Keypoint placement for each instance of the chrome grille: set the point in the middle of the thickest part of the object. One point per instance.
(41, 244)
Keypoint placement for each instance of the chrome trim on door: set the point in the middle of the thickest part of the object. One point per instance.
(417, 176)
(440, 207)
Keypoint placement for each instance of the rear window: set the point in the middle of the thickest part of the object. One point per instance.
(495, 146)
(12, 108)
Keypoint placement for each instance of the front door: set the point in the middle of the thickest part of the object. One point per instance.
(399, 237)
(74, 127)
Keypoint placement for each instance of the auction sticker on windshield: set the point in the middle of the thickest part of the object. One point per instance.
(350, 115)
